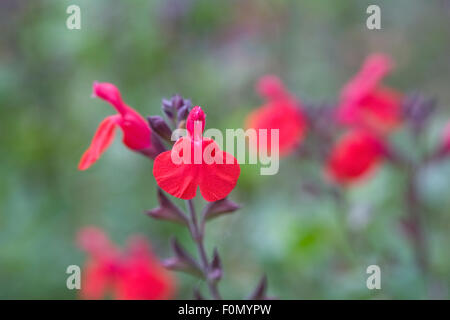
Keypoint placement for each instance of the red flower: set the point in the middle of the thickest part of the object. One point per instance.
(136, 131)
(133, 275)
(354, 156)
(365, 103)
(282, 111)
(203, 165)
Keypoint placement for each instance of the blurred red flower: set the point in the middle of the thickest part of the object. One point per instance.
(354, 157)
(136, 131)
(216, 172)
(365, 103)
(282, 111)
(135, 274)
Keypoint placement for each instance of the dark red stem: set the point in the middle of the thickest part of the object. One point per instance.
(198, 237)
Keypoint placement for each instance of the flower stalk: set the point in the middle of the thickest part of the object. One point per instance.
(198, 236)
(182, 181)
(414, 223)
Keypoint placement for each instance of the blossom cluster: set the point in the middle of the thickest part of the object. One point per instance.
(137, 274)
(354, 131)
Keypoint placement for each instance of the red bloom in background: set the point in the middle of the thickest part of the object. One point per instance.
(216, 172)
(282, 111)
(354, 156)
(365, 103)
(135, 274)
(136, 131)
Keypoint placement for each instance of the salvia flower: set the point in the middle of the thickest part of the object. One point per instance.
(282, 111)
(136, 131)
(365, 103)
(176, 108)
(132, 274)
(196, 162)
(354, 157)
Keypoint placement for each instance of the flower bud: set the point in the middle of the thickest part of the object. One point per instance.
(183, 113)
(158, 125)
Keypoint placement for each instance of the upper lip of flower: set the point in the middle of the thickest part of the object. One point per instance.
(365, 102)
(216, 180)
(282, 111)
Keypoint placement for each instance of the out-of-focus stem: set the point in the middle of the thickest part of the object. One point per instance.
(198, 236)
(416, 233)
(414, 220)
(338, 196)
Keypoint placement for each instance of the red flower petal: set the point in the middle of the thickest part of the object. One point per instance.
(284, 116)
(282, 112)
(95, 242)
(195, 115)
(381, 110)
(271, 87)
(365, 103)
(373, 70)
(133, 274)
(179, 180)
(143, 277)
(101, 141)
(136, 131)
(96, 280)
(110, 93)
(215, 179)
(354, 156)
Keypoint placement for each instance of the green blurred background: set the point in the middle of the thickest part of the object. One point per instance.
(212, 52)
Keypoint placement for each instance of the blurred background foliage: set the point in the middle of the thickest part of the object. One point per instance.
(212, 52)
